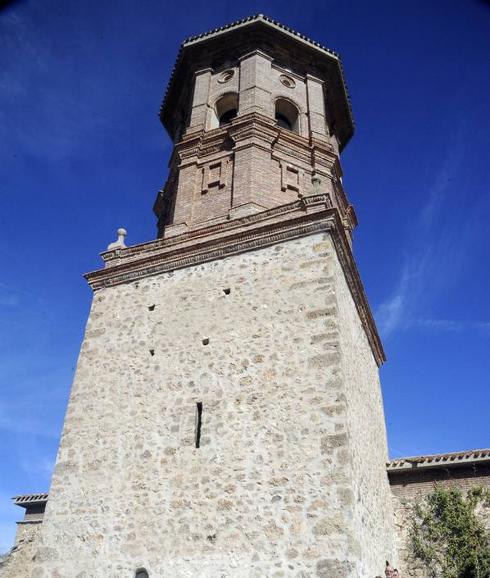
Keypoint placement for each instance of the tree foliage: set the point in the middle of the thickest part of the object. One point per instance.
(448, 536)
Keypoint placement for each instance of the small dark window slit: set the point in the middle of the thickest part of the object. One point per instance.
(151, 308)
(152, 352)
(205, 341)
(227, 291)
(198, 423)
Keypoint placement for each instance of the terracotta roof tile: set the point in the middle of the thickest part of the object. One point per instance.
(434, 460)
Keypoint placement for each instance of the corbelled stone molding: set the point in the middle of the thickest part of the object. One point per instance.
(309, 215)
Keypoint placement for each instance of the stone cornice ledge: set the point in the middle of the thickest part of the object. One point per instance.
(306, 216)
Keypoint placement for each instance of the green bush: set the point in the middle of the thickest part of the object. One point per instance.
(448, 537)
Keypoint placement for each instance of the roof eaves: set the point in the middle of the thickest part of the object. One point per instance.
(259, 18)
(24, 500)
(438, 460)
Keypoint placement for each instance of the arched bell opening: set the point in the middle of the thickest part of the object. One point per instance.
(286, 115)
(225, 110)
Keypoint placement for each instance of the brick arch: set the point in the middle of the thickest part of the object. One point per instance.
(231, 98)
(290, 111)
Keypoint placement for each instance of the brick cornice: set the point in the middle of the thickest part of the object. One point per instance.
(306, 216)
(259, 129)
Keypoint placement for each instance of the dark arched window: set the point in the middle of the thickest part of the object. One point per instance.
(226, 108)
(283, 121)
(226, 117)
(141, 573)
(287, 115)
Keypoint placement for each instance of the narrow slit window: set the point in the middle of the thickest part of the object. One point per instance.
(198, 423)
(205, 341)
(227, 291)
(152, 352)
(151, 308)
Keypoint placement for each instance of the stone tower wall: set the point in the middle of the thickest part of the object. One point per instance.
(368, 455)
(273, 489)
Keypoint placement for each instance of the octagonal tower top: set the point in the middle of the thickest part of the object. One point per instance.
(223, 47)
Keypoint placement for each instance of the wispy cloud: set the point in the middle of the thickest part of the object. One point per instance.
(391, 313)
(452, 325)
(38, 466)
(58, 102)
(14, 423)
(423, 266)
(8, 298)
(434, 254)
(30, 401)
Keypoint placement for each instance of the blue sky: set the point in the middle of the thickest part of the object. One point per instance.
(82, 153)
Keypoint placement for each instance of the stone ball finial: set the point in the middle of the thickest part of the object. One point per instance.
(119, 244)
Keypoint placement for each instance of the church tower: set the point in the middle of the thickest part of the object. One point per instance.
(225, 418)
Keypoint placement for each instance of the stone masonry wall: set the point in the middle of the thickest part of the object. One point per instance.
(19, 561)
(368, 453)
(282, 482)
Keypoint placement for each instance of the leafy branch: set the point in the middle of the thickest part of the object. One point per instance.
(448, 536)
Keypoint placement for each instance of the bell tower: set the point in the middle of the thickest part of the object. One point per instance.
(257, 114)
(226, 418)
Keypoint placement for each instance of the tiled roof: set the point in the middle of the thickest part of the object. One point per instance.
(257, 18)
(25, 500)
(438, 460)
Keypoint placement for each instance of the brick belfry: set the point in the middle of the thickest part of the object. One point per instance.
(226, 418)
